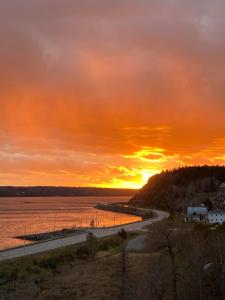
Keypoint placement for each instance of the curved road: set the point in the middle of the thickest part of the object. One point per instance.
(76, 239)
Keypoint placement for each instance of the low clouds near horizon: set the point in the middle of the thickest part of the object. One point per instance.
(107, 93)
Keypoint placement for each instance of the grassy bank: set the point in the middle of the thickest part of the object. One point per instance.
(74, 271)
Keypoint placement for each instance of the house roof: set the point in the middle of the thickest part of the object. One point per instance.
(220, 195)
(197, 210)
(217, 211)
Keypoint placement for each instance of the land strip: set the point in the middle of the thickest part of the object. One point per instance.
(121, 208)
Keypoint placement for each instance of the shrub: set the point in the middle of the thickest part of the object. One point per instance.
(108, 243)
(8, 275)
(123, 234)
(92, 243)
(82, 252)
(103, 246)
(49, 263)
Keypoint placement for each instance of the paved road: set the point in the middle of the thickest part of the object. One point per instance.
(137, 244)
(76, 239)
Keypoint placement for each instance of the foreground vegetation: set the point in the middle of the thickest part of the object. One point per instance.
(74, 272)
(179, 261)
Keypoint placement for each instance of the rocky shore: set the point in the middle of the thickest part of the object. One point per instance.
(38, 237)
(125, 209)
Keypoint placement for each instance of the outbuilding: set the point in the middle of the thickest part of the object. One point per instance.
(219, 200)
(222, 187)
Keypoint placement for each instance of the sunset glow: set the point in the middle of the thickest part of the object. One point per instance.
(107, 94)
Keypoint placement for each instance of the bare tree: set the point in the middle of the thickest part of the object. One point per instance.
(124, 271)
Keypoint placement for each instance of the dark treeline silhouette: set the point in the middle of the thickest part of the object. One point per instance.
(173, 190)
(53, 191)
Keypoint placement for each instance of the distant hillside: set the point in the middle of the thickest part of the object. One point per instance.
(175, 190)
(51, 191)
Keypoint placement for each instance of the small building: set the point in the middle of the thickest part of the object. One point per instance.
(222, 188)
(216, 217)
(219, 200)
(197, 214)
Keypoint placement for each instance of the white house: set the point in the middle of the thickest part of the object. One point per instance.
(197, 214)
(216, 216)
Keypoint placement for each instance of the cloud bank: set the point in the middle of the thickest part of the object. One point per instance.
(109, 92)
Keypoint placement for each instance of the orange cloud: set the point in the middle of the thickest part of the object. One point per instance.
(109, 94)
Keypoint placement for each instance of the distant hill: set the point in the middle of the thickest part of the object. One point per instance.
(52, 191)
(176, 189)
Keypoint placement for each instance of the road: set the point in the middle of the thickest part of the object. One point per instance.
(137, 244)
(77, 239)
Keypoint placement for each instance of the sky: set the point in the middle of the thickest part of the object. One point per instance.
(109, 92)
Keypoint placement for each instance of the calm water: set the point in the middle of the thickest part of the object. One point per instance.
(31, 215)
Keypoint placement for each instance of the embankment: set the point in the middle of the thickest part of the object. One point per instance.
(125, 209)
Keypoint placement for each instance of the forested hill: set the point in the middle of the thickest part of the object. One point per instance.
(176, 189)
(54, 191)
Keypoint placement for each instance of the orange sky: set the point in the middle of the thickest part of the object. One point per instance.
(107, 93)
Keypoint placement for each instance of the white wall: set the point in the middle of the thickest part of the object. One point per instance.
(216, 218)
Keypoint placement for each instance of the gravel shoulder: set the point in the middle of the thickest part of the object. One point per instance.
(137, 244)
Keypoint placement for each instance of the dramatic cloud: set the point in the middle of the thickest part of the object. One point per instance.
(109, 92)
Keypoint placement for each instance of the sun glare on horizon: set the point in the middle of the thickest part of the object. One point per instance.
(146, 175)
(140, 180)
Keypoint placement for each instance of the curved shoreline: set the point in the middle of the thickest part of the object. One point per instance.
(126, 209)
(122, 208)
(113, 207)
(77, 239)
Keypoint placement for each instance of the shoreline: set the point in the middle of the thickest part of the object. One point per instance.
(49, 235)
(124, 208)
(67, 236)
(46, 246)
(84, 230)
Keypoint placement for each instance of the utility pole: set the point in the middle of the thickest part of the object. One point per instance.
(96, 218)
(24, 238)
(54, 222)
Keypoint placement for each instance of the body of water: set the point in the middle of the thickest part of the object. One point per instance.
(19, 216)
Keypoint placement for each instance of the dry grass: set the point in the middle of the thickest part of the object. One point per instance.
(98, 279)
(82, 279)
(60, 274)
